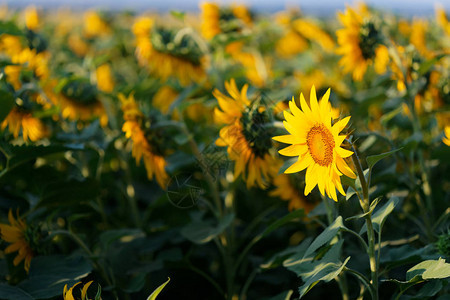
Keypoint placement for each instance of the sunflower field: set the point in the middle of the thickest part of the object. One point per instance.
(224, 154)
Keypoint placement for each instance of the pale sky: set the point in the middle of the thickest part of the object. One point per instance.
(318, 7)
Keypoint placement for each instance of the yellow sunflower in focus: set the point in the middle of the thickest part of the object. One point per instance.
(288, 192)
(21, 120)
(68, 293)
(317, 143)
(16, 235)
(244, 135)
(142, 149)
(360, 44)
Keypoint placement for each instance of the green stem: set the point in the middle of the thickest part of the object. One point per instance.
(365, 204)
(341, 279)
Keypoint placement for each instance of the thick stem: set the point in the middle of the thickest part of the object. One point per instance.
(365, 204)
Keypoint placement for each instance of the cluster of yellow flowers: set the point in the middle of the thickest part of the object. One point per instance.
(80, 75)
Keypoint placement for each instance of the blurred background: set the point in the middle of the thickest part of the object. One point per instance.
(320, 8)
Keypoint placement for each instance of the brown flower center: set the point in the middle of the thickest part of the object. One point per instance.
(320, 144)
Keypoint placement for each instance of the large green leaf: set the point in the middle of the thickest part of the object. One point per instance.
(430, 269)
(373, 159)
(13, 292)
(49, 274)
(18, 155)
(379, 217)
(202, 232)
(158, 290)
(70, 192)
(327, 235)
(6, 104)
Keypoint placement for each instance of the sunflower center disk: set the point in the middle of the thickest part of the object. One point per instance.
(320, 144)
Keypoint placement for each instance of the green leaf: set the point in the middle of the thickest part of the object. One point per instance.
(98, 296)
(379, 217)
(430, 269)
(108, 237)
(158, 290)
(429, 289)
(286, 219)
(371, 209)
(327, 235)
(9, 28)
(49, 274)
(323, 272)
(373, 159)
(427, 65)
(288, 255)
(71, 192)
(201, 232)
(13, 292)
(7, 103)
(18, 155)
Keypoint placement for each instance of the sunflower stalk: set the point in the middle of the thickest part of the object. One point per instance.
(365, 205)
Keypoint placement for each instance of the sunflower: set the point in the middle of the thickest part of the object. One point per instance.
(94, 25)
(317, 143)
(32, 18)
(142, 149)
(105, 81)
(442, 19)
(79, 101)
(20, 119)
(446, 138)
(216, 20)
(418, 37)
(244, 135)
(17, 235)
(360, 43)
(166, 53)
(288, 192)
(68, 293)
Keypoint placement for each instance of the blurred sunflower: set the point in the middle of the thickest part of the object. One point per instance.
(446, 138)
(105, 81)
(79, 101)
(317, 143)
(360, 43)
(142, 147)
(418, 37)
(216, 20)
(167, 52)
(20, 119)
(286, 190)
(18, 235)
(68, 293)
(32, 18)
(442, 20)
(94, 25)
(247, 140)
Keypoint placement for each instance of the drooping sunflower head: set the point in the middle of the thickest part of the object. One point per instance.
(79, 100)
(176, 44)
(169, 52)
(245, 135)
(216, 19)
(361, 43)
(317, 143)
(148, 143)
(23, 239)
